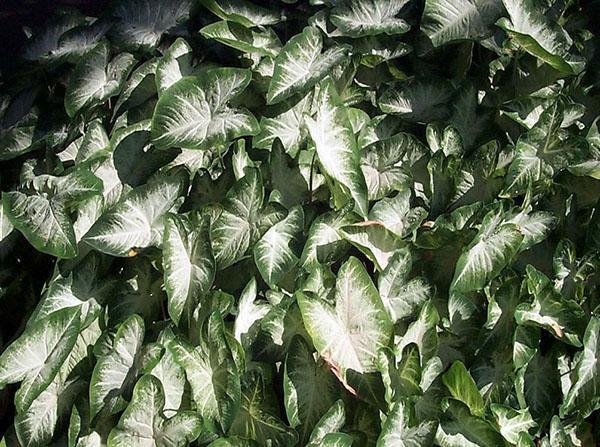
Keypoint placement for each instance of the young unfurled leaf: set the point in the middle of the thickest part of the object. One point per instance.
(213, 376)
(398, 429)
(265, 43)
(401, 294)
(462, 387)
(564, 318)
(512, 422)
(243, 12)
(374, 240)
(175, 64)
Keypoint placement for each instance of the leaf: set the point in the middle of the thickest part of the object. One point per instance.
(309, 388)
(462, 387)
(374, 240)
(300, 65)
(564, 318)
(401, 295)
(250, 311)
(422, 100)
(53, 235)
(276, 253)
(232, 34)
(140, 24)
(450, 20)
(512, 422)
(113, 373)
(423, 333)
(36, 356)
(95, 79)
(288, 126)
(337, 440)
(346, 337)
(188, 262)
(538, 386)
(487, 254)
(461, 429)
(386, 164)
(397, 430)
(134, 158)
(253, 422)
(243, 12)
(139, 88)
(325, 243)
(336, 147)
(175, 64)
(46, 41)
(42, 216)
(37, 424)
(137, 221)
(211, 371)
(84, 288)
(396, 215)
(358, 18)
(543, 151)
(540, 36)
(290, 179)
(195, 112)
(583, 394)
(236, 227)
(171, 376)
(142, 422)
(330, 422)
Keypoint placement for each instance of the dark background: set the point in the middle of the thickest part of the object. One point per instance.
(15, 14)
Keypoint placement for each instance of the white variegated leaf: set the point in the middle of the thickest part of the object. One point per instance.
(349, 334)
(36, 357)
(95, 79)
(300, 65)
(195, 113)
(143, 424)
(336, 146)
(358, 18)
(140, 24)
(112, 374)
(188, 262)
(449, 20)
(278, 251)
(137, 221)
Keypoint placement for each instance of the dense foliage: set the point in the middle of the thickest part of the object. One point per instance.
(325, 223)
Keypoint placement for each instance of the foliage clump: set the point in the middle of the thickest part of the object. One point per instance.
(312, 223)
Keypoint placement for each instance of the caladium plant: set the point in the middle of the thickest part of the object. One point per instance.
(302, 223)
